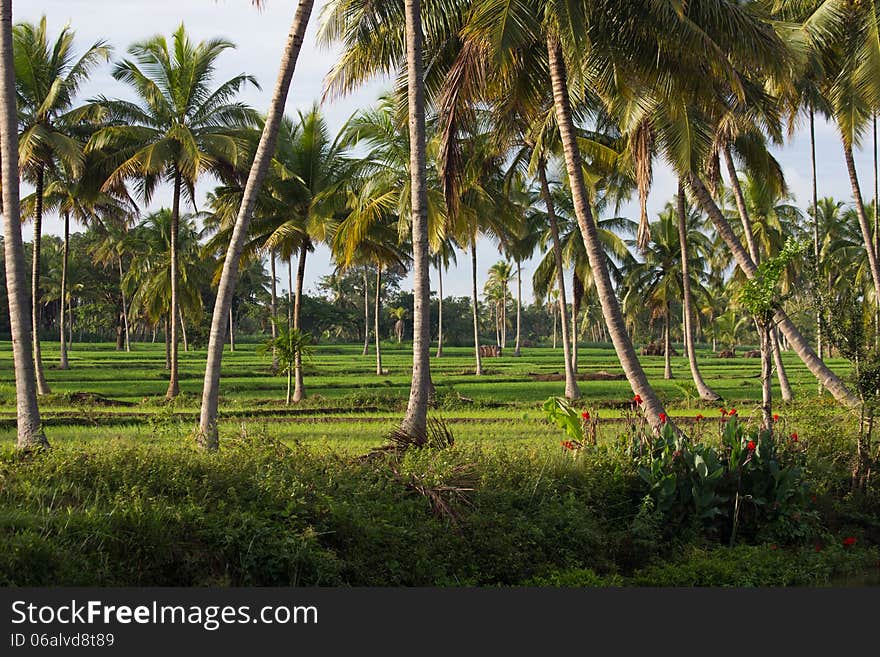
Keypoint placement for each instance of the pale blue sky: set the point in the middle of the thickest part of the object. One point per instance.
(260, 37)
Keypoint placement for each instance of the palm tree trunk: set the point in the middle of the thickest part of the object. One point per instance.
(706, 393)
(518, 307)
(376, 319)
(231, 323)
(299, 390)
(815, 224)
(289, 377)
(749, 232)
(366, 313)
(183, 330)
(173, 383)
(829, 379)
(784, 386)
(863, 218)
(63, 364)
(572, 391)
(667, 356)
(876, 230)
(28, 427)
(167, 332)
(577, 296)
(265, 151)
(290, 292)
(36, 306)
(766, 378)
(475, 302)
(273, 309)
(555, 315)
(124, 306)
(416, 419)
(440, 311)
(651, 405)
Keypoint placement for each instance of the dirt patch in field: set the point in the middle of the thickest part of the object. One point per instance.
(601, 375)
(92, 399)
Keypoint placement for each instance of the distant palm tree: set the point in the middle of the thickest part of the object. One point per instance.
(179, 129)
(398, 314)
(499, 283)
(48, 77)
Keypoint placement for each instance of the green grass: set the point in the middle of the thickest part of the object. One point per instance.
(125, 498)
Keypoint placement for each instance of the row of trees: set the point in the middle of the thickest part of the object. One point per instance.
(516, 92)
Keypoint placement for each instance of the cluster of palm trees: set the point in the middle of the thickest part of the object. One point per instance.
(525, 121)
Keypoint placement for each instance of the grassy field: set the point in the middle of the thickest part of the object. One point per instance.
(112, 394)
(295, 496)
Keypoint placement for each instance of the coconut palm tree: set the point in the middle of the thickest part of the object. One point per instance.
(28, 426)
(499, 283)
(207, 432)
(178, 129)
(48, 77)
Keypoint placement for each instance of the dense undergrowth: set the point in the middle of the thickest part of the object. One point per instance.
(263, 513)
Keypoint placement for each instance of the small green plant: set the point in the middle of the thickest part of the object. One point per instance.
(558, 410)
(286, 347)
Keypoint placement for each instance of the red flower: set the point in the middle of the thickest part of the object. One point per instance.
(585, 415)
(722, 411)
(663, 418)
(637, 399)
(751, 446)
(732, 411)
(849, 541)
(794, 437)
(776, 417)
(700, 417)
(818, 548)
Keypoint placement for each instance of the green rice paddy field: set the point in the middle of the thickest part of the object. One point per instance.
(111, 394)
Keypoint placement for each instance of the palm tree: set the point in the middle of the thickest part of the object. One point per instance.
(113, 246)
(398, 314)
(499, 283)
(29, 428)
(442, 257)
(207, 432)
(48, 77)
(179, 129)
(687, 233)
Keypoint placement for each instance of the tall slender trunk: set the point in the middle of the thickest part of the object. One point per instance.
(572, 391)
(667, 347)
(231, 323)
(497, 324)
(167, 333)
(863, 218)
(36, 306)
(555, 315)
(366, 313)
(829, 379)
(376, 319)
(63, 364)
(416, 419)
(577, 297)
(504, 316)
(748, 231)
(766, 377)
(183, 329)
(876, 230)
(299, 390)
(265, 151)
(785, 390)
(124, 306)
(290, 292)
(440, 311)
(651, 406)
(706, 393)
(28, 427)
(816, 252)
(273, 309)
(475, 302)
(518, 307)
(173, 383)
